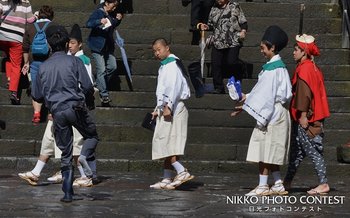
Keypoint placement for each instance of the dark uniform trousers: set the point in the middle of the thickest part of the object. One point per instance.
(79, 117)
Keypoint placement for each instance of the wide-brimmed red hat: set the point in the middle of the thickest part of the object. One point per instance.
(307, 43)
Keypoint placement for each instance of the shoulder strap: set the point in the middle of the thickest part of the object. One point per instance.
(45, 26)
(38, 28)
(183, 71)
(6, 13)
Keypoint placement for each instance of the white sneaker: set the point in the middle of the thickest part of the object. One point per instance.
(83, 182)
(164, 184)
(182, 178)
(278, 189)
(56, 178)
(259, 191)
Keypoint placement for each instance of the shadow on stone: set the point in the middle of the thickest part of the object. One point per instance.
(97, 196)
(190, 186)
(6, 176)
(100, 179)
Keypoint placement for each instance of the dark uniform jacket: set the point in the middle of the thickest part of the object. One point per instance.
(62, 82)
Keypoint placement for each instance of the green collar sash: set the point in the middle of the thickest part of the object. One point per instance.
(167, 60)
(274, 65)
(85, 59)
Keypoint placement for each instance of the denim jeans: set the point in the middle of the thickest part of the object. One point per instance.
(106, 65)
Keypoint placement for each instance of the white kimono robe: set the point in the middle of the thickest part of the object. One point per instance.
(169, 138)
(86, 61)
(268, 103)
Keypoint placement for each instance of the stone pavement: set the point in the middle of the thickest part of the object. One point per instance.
(128, 195)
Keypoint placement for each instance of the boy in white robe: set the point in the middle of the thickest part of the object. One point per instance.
(268, 103)
(170, 134)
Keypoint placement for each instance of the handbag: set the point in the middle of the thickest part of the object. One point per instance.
(148, 122)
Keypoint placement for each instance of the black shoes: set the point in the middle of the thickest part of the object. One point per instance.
(2, 124)
(218, 91)
(14, 99)
(105, 101)
(185, 2)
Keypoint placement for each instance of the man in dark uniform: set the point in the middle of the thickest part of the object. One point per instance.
(64, 84)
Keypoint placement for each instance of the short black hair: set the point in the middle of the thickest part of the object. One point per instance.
(163, 41)
(112, 1)
(269, 46)
(57, 37)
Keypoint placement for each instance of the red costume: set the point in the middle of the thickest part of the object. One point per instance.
(313, 77)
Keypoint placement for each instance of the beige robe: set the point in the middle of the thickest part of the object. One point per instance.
(271, 145)
(169, 138)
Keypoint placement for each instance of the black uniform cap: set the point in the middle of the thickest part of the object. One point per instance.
(276, 36)
(75, 33)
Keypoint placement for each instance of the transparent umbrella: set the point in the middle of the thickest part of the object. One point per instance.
(202, 47)
(120, 42)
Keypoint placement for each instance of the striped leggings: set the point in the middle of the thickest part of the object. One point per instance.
(301, 146)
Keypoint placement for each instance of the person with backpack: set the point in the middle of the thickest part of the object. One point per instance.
(16, 15)
(35, 42)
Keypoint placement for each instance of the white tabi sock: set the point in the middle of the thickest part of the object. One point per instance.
(81, 171)
(178, 167)
(38, 167)
(263, 180)
(277, 176)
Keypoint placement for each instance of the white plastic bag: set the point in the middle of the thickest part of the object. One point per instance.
(234, 89)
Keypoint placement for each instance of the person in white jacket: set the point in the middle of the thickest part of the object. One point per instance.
(268, 104)
(170, 133)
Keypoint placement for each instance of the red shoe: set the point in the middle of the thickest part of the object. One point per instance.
(36, 118)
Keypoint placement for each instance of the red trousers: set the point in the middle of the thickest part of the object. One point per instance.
(13, 65)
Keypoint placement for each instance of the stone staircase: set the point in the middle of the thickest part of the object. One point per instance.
(216, 142)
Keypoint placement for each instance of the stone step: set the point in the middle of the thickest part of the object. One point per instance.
(137, 134)
(147, 100)
(129, 150)
(249, 54)
(143, 151)
(334, 169)
(150, 67)
(148, 84)
(184, 37)
(288, 1)
(330, 72)
(272, 8)
(319, 25)
(134, 117)
(287, 8)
